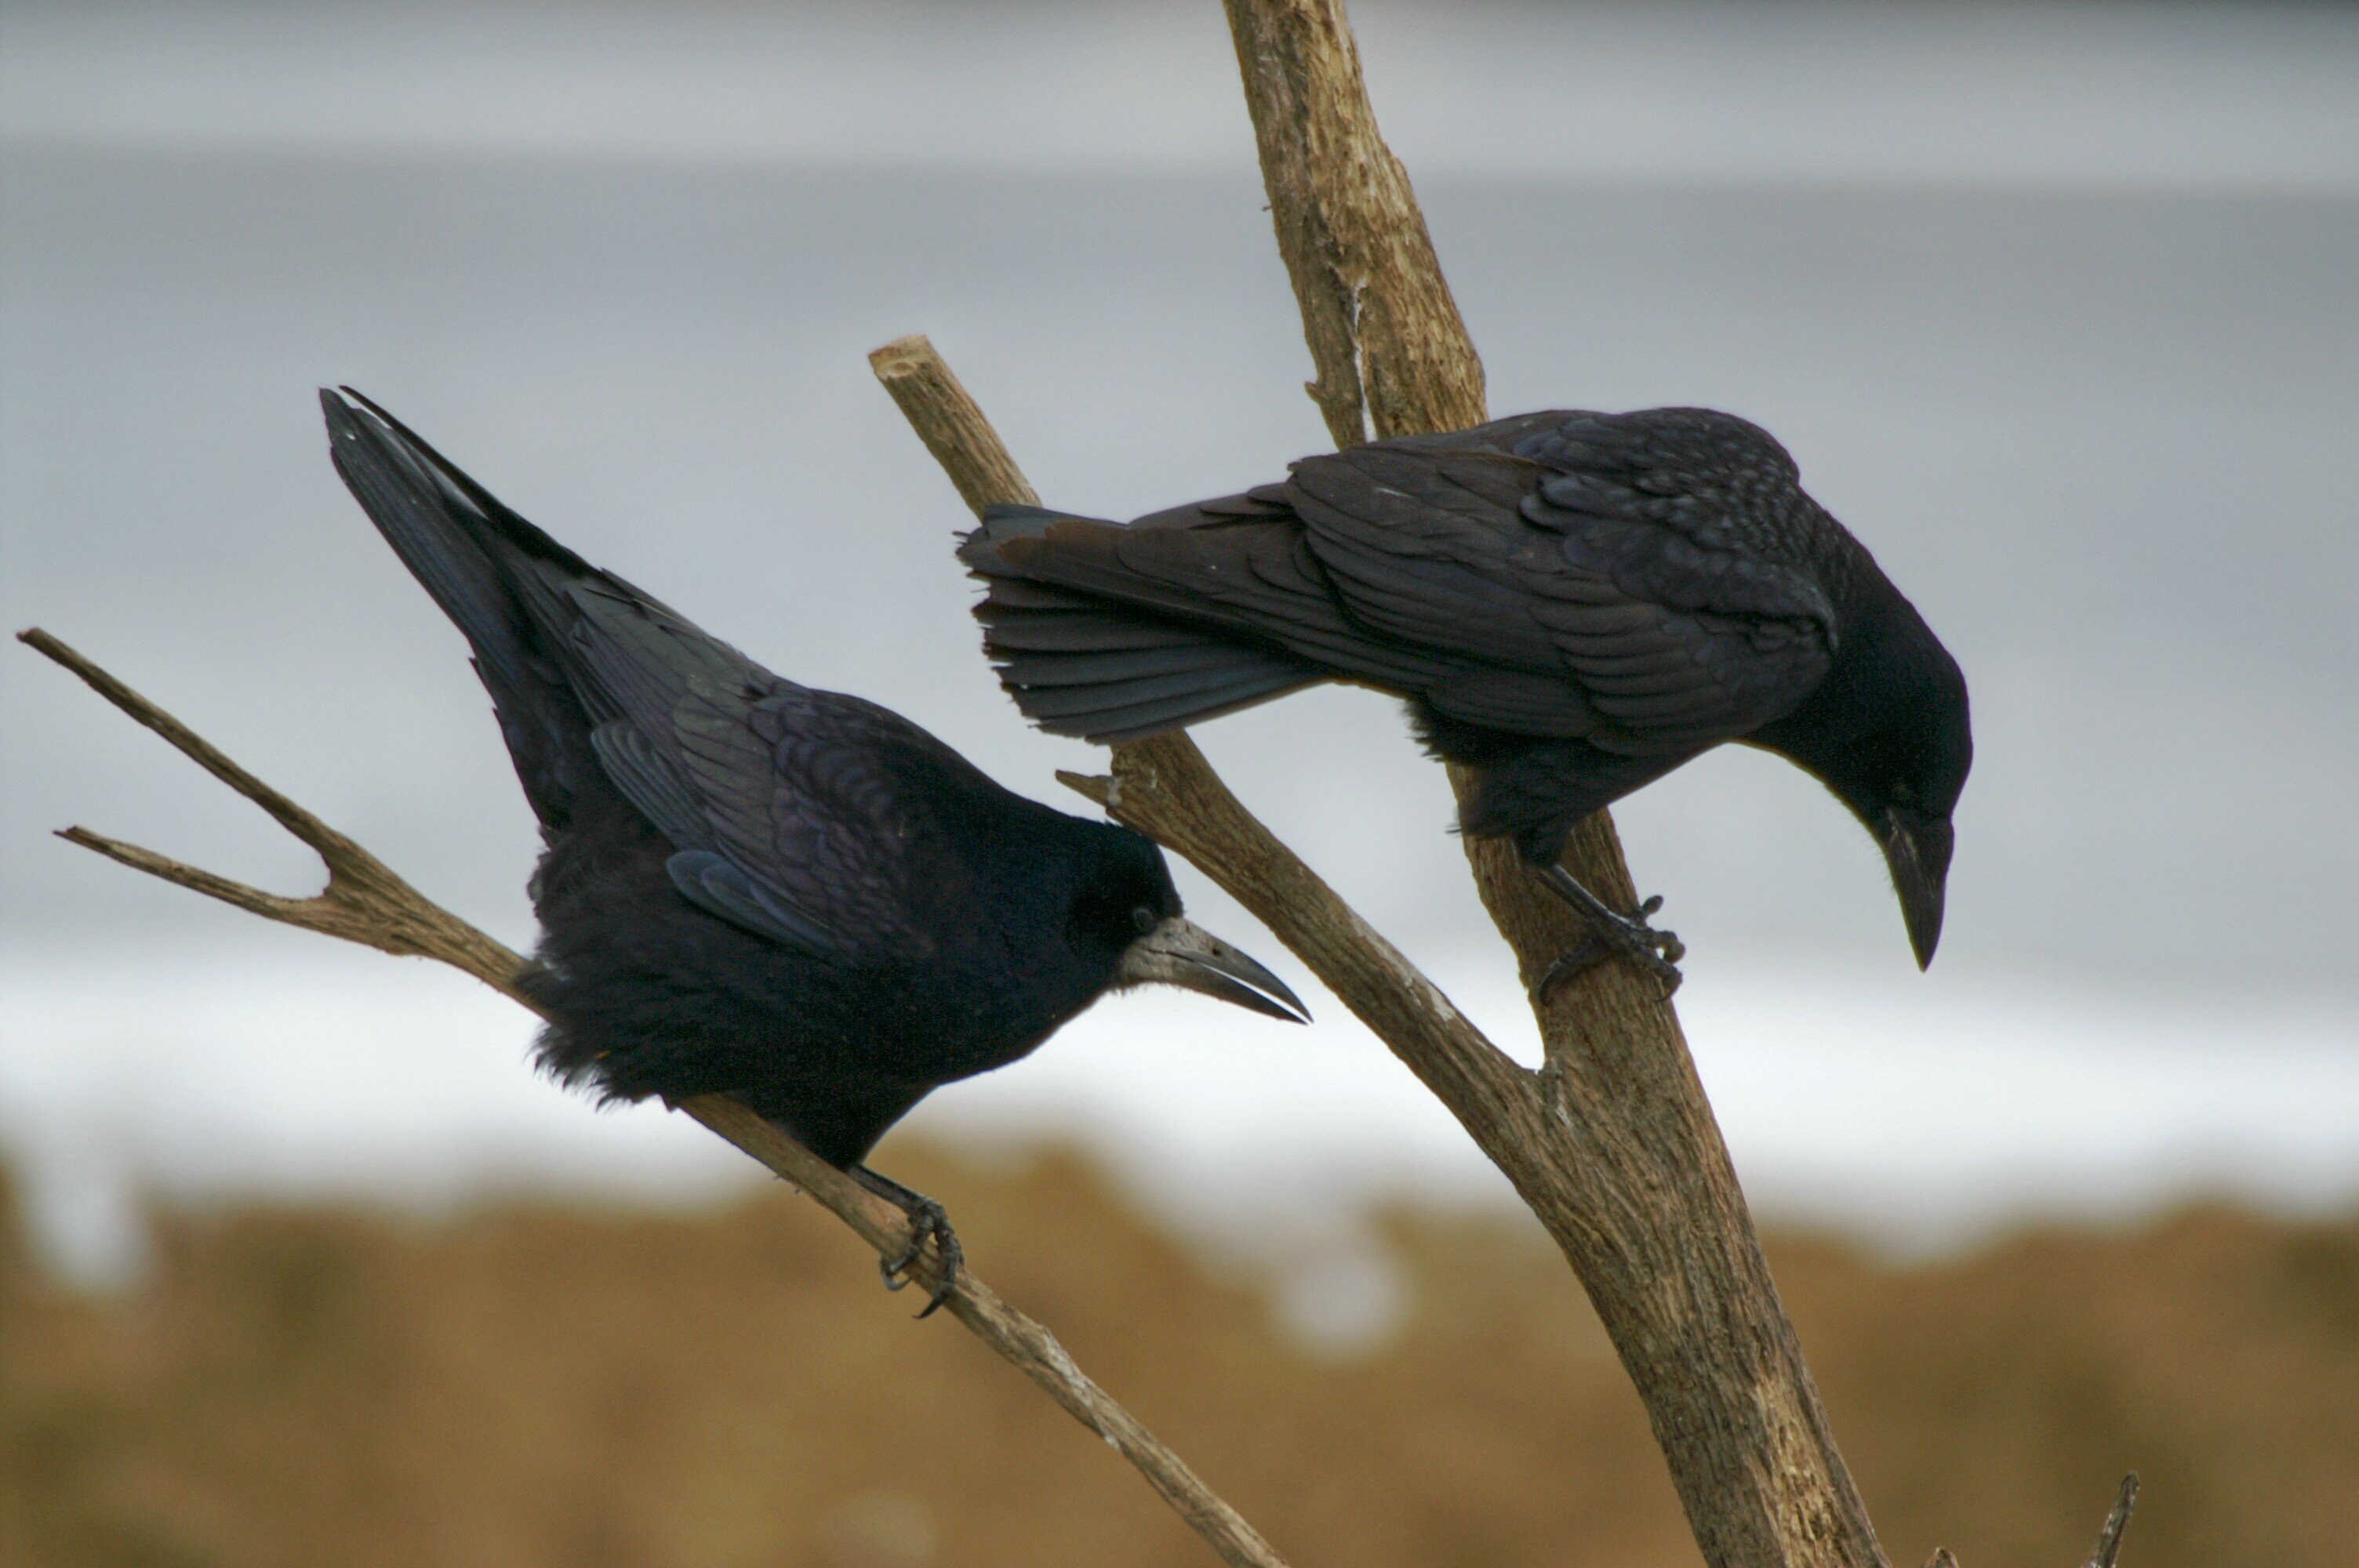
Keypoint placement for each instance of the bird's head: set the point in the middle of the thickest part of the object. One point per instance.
(1128, 910)
(1887, 731)
(1902, 778)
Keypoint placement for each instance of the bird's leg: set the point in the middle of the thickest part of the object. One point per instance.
(1629, 936)
(928, 1220)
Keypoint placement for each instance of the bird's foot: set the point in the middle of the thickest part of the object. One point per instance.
(928, 1221)
(1612, 935)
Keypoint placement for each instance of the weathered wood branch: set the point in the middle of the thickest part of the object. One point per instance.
(1613, 1146)
(1166, 789)
(364, 902)
(1385, 334)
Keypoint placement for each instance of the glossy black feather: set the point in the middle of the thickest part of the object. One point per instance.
(1574, 603)
(749, 887)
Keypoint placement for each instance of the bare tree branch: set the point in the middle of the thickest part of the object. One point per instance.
(1384, 333)
(366, 903)
(1618, 1154)
(1613, 1146)
(1166, 789)
(950, 423)
(2109, 1539)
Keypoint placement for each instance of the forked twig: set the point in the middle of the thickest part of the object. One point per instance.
(366, 903)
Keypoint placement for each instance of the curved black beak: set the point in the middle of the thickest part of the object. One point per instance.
(1182, 953)
(1917, 850)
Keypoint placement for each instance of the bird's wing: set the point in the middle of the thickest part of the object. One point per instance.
(779, 799)
(1630, 571)
(782, 799)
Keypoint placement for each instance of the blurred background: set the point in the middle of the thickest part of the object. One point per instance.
(2054, 304)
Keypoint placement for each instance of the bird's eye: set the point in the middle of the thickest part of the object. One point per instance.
(1143, 919)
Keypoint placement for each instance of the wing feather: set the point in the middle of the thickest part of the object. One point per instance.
(1642, 581)
(1622, 577)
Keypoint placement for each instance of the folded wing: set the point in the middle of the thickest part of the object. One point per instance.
(1602, 577)
(776, 798)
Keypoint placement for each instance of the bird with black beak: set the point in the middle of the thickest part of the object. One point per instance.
(751, 888)
(1573, 604)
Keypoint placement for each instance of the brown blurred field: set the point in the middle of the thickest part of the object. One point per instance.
(542, 1386)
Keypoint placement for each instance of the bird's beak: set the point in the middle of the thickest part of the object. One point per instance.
(1180, 953)
(1917, 850)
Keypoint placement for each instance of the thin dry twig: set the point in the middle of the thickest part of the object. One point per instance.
(2109, 1539)
(366, 903)
(2108, 1549)
(1165, 788)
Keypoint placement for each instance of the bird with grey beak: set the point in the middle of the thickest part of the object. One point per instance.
(751, 888)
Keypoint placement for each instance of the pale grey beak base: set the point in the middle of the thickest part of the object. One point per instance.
(1180, 953)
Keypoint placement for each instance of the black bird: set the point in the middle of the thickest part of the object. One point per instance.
(1573, 603)
(751, 888)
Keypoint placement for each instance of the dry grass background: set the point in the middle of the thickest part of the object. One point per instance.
(536, 1385)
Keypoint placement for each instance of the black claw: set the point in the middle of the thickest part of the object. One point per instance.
(928, 1221)
(1623, 936)
(1590, 952)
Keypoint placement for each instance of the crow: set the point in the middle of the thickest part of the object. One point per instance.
(751, 888)
(1573, 603)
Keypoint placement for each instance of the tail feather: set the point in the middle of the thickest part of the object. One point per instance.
(1132, 710)
(1078, 663)
(1087, 630)
(1209, 660)
(451, 533)
(443, 477)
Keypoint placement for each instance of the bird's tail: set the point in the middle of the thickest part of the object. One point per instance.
(1096, 666)
(465, 548)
